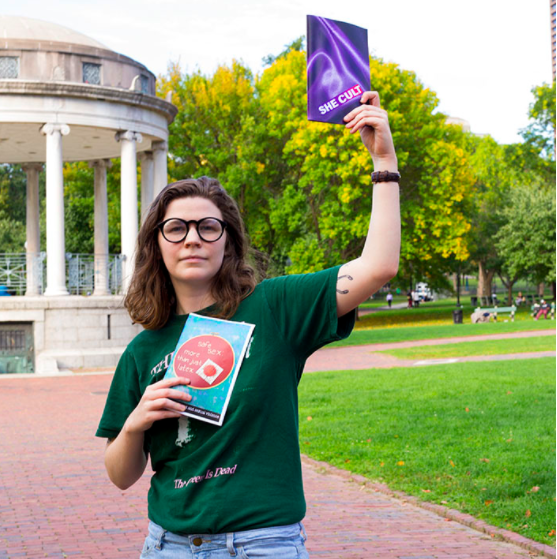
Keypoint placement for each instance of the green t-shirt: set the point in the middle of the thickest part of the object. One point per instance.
(246, 474)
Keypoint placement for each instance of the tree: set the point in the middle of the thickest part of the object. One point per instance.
(79, 207)
(323, 210)
(494, 177)
(526, 242)
(541, 132)
(12, 208)
(221, 131)
(304, 188)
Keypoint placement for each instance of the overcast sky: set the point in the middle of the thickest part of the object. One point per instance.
(481, 57)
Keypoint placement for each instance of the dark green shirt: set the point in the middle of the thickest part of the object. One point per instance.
(246, 474)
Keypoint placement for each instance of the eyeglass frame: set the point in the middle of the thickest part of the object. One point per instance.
(161, 225)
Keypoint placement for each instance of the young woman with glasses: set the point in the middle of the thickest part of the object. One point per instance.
(234, 490)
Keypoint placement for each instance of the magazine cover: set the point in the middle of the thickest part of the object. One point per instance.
(209, 352)
(337, 68)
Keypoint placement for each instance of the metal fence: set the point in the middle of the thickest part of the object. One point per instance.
(13, 271)
(80, 272)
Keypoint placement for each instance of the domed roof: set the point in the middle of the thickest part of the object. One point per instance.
(17, 27)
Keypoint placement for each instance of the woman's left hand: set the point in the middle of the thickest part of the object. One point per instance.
(373, 124)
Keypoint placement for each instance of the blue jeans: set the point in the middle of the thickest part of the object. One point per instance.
(281, 542)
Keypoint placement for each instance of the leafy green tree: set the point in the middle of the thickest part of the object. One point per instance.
(322, 213)
(540, 133)
(494, 176)
(12, 208)
(79, 207)
(221, 131)
(526, 242)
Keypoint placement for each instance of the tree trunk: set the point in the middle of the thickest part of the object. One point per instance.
(485, 279)
(541, 289)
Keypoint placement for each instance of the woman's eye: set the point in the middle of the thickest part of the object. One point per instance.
(174, 228)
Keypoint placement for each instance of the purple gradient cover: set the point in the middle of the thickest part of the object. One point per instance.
(337, 68)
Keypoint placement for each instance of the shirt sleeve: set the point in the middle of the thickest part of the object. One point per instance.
(123, 397)
(305, 310)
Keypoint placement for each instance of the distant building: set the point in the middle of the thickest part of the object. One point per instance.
(552, 19)
(464, 124)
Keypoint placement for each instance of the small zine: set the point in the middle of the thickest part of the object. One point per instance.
(209, 352)
(337, 68)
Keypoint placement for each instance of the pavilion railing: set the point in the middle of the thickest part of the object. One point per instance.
(80, 272)
(13, 271)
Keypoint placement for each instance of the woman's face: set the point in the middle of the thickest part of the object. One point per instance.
(192, 262)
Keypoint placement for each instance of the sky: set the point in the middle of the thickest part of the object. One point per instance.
(481, 57)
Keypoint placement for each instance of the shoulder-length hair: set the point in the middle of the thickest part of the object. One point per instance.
(151, 298)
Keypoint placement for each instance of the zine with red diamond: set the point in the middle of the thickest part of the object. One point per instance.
(209, 352)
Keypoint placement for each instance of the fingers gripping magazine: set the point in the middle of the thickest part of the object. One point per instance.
(209, 352)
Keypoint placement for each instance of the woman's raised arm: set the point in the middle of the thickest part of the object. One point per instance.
(360, 278)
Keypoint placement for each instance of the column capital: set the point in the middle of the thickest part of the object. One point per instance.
(145, 155)
(128, 135)
(52, 127)
(100, 163)
(39, 167)
(159, 145)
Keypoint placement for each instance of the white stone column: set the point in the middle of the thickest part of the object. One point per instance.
(33, 229)
(101, 226)
(129, 220)
(55, 241)
(160, 151)
(147, 177)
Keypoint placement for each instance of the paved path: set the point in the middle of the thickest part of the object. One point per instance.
(56, 500)
(367, 356)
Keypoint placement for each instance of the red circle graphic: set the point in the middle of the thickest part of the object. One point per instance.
(206, 360)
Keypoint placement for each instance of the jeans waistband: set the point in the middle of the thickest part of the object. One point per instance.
(211, 541)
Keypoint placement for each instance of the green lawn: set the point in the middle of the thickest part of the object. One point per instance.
(488, 347)
(479, 438)
(433, 313)
(429, 332)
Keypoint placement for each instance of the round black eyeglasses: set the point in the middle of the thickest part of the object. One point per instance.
(209, 229)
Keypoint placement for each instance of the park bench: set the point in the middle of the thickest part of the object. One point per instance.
(494, 311)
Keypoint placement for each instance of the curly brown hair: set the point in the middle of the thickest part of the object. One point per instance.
(151, 298)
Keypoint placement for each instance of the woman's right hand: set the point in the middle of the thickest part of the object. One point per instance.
(156, 404)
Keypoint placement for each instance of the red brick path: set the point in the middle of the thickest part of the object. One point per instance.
(367, 356)
(56, 500)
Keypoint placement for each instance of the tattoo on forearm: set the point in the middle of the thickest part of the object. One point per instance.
(344, 291)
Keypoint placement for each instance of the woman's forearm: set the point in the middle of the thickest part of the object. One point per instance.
(125, 458)
(382, 247)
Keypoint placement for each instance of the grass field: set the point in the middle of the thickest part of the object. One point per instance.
(488, 347)
(480, 439)
(433, 313)
(426, 331)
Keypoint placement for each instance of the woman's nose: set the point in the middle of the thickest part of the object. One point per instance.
(193, 236)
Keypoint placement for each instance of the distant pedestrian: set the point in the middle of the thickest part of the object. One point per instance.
(410, 298)
(390, 299)
(415, 299)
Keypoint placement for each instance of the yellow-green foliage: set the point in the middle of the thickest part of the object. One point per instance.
(304, 187)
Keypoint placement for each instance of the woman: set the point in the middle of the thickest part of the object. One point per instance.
(235, 490)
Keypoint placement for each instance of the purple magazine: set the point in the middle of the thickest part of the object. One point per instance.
(337, 68)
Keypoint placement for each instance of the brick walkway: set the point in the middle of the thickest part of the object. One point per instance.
(56, 500)
(367, 356)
